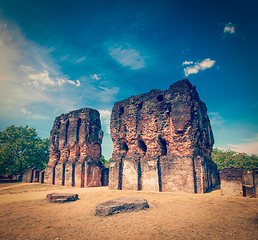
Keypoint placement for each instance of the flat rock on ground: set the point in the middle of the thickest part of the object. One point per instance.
(62, 197)
(122, 204)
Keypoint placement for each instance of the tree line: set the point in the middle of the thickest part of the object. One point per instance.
(229, 158)
(22, 149)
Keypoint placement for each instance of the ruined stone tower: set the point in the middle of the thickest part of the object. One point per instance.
(75, 149)
(162, 142)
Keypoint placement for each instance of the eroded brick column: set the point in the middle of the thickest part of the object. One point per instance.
(75, 142)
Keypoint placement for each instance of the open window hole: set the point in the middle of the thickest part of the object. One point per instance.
(160, 98)
(142, 146)
(125, 147)
(163, 146)
(121, 111)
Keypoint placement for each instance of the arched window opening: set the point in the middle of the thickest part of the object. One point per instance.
(163, 146)
(125, 147)
(121, 111)
(160, 98)
(142, 146)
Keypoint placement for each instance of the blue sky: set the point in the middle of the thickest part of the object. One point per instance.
(59, 56)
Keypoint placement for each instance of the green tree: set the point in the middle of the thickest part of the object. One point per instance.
(229, 158)
(104, 161)
(21, 149)
(108, 162)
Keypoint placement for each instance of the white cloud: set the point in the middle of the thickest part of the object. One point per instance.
(105, 120)
(95, 76)
(42, 79)
(187, 63)
(249, 148)
(248, 145)
(29, 115)
(215, 118)
(78, 84)
(27, 68)
(63, 80)
(127, 57)
(24, 111)
(229, 28)
(206, 63)
(102, 91)
(80, 60)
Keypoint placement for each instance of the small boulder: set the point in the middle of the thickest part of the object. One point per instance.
(61, 197)
(119, 205)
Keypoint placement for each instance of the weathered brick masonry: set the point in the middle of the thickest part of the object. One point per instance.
(162, 142)
(33, 175)
(75, 150)
(239, 182)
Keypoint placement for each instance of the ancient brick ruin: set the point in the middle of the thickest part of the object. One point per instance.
(75, 150)
(235, 181)
(162, 142)
(33, 175)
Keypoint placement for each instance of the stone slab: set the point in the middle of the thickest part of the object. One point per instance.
(61, 197)
(119, 205)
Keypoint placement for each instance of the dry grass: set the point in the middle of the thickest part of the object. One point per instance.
(14, 188)
(170, 216)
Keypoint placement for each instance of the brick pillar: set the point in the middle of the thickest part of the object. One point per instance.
(59, 174)
(79, 174)
(41, 177)
(49, 175)
(114, 176)
(69, 174)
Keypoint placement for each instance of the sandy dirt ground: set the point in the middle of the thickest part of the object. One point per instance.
(32, 191)
(27, 215)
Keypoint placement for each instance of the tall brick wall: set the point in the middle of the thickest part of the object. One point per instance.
(231, 181)
(235, 181)
(75, 150)
(162, 142)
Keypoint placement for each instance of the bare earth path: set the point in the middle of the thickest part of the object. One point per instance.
(25, 214)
